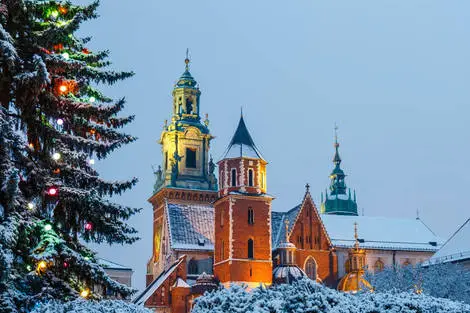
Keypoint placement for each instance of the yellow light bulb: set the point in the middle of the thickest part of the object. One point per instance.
(30, 205)
(56, 156)
(85, 293)
(63, 88)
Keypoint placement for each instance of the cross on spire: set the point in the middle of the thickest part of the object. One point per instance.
(356, 243)
(336, 135)
(187, 59)
(307, 187)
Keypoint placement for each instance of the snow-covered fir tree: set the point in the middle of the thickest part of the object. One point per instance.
(451, 281)
(54, 123)
(307, 296)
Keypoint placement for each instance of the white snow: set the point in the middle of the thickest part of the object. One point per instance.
(456, 248)
(380, 232)
(241, 150)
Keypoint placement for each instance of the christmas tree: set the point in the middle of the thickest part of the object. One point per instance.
(54, 123)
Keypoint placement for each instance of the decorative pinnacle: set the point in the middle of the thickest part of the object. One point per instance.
(307, 187)
(286, 222)
(336, 136)
(187, 60)
(356, 244)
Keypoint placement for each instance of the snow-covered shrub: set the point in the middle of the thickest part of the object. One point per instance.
(306, 296)
(84, 306)
(451, 281)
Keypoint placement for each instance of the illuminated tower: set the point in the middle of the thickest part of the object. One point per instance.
(186, 140)
(242, 252)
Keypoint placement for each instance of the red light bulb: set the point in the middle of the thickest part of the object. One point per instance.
(66, 264)
(88, 226)
(52, 191)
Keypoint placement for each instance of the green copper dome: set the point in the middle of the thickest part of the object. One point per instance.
(186, 80)
(338, 200)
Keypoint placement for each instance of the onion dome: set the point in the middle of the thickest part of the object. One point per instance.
(242, 145)
(204, 282)
(186, 80)
(287, 271)
(354, 280)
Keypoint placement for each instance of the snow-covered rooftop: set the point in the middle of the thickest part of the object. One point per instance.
(456, 248)
(112, 265)
(242, 144)
(191, 226)
(382, 233)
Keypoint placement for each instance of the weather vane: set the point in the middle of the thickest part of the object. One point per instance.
(187, 60)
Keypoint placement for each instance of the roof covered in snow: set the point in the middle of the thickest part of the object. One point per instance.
(148, 292)
(113, 265)
(242, 145)
(191, 226)
(278, 228)
(456, 248)
(382, 233)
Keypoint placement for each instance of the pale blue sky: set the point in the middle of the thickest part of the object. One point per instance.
(394, 75)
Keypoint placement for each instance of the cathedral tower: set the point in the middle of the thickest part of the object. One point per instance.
(242, 252)
(186, 140)
(337, 201)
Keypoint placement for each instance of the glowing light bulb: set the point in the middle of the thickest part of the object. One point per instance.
(47, 227)
(65, 55)
(42, 266)
(66, 264)
(56, 156)
(63, 88)
(87, 258)
(85, 293)
(54, 14)
(91, 161)
(28, 267)
(52, 191)
(88, 226)
(92, 99)
(60, 122)
(30, 205)
(31, 146)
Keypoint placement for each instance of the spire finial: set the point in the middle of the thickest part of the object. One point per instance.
(187, 59)
(356, 244)
(286, 222)
(241, 111)
(307, 187)
(417, 214)
(336, 135)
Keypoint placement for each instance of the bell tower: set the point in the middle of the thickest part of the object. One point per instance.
(186, 140)
(242, 251)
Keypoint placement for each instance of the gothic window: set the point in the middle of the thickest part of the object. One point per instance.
(189, 106)
(163, 295)
(378, 266)
(250, 249)
(251, 216)
(190, 158)
(250, 177)
(311, 268)
(192, 267)
(234, 177)
(166, 160)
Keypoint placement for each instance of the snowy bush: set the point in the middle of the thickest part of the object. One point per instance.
(84, 306)
(450, 281)
(306, 296)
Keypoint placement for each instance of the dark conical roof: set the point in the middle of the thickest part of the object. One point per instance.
(242, 145)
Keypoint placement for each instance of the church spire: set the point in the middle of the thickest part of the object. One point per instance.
(338, 201)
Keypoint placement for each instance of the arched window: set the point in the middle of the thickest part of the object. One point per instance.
(234, 177)
(192, 267)
(190, 158)
(251, 216)
(311, 268)
(250, 249)
(250, 177)
(378, 266)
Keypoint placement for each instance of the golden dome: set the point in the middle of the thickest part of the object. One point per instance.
(353, 282)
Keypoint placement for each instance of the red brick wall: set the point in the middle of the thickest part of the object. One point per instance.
(225, 168)
(179, 300)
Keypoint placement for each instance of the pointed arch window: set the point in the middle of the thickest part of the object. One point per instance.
(250, 177)
(250, 249)
(192, 267)
(311, 268)
(234, 177)
(191, 158)
(378, 266)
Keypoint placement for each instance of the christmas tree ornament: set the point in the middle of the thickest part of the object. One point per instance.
(65, 55)
(63, 88)
(52, 191)
(60, 122)
(66, 264)
(28, 267)
(92, 99)
(31, 146)
(56, 171)
(42, 265)
(54, 14)
(56, 156)
(85, 51)
(47, 227)
(85, 293)
(30, 205)
(91, 161)
(58, 47)
(88, 226)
